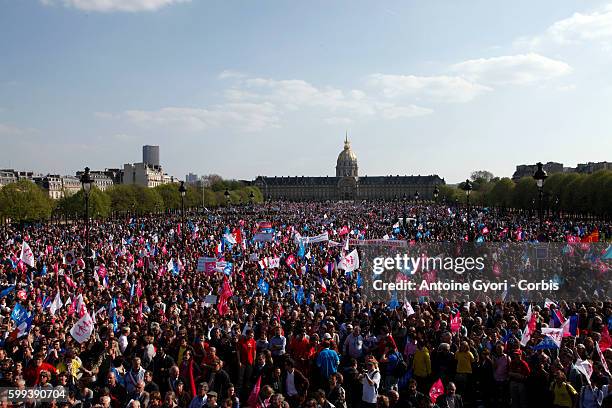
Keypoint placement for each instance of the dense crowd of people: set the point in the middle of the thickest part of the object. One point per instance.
(234, 308)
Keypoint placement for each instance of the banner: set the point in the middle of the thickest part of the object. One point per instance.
(206, 265)
(313, 240)
(82, 329)
(373, 242)
(263, 237)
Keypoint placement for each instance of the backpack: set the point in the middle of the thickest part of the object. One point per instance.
(401, 367)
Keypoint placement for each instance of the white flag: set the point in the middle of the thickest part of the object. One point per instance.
(585, 367)
(56, 305)
(273, 263)
(82, 329)
(26, 254)
(350, 262)
(408, 307)
(555, 334)
(549, 302)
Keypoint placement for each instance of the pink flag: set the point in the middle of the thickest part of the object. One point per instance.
(436, 390)
(254, 395)
(290, 260)
(606, 341)
(455, 323)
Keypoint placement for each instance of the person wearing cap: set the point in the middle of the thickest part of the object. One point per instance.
(211, 401)
(327, 360)
(218, 379)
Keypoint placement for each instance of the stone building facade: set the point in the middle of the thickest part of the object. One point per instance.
(347, 184)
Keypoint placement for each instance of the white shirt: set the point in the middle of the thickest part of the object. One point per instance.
(370, 392)
(290, 384)
(123, 342)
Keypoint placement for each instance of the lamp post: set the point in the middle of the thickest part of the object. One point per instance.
(404, 212)
(539, 176)
(86, 183)
(227, 197)
(416, 196)
(436, 192)
(182, 191)
(252, 198)
(467, 187)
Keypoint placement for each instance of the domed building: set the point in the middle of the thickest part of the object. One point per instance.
(346, 166)
(347, 185)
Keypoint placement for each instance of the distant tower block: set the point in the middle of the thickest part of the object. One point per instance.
(150, 155)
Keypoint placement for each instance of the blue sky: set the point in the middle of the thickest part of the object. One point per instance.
(243, 88)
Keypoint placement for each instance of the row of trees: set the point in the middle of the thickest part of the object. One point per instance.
(567, 192)
(26, 201)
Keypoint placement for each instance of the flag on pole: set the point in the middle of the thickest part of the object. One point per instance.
(83, 328)
(56, 305)
(436, 390)
(408, 307)
(349, 262)
(26, 254)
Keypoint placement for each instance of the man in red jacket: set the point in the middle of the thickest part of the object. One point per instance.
(32, 373)
(247, 350)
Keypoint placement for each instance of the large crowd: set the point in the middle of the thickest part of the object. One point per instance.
(231, 308)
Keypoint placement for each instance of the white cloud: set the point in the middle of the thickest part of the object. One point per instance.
(114, 5)
(581, 27)
(512, 69)
(433, 88)
(242, 116)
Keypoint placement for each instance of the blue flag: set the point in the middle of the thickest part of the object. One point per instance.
(573, 325)
(229, 266)
(7, 291)
(19, 314)
(301, 251)
(393, 303)
(264, 287)
(608, 254)
(44, 271)
(547, 344)
(299, 297)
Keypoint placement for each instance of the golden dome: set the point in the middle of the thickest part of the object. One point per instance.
(346, 156)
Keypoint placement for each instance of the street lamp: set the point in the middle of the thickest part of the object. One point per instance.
(416, 196)
(227, 196)
(251, 198)
(86, 183)
(404, 212)
(436, 192)
(467, 187)
(539, 176)
(182, 191)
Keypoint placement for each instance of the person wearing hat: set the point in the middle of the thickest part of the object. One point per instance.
(211, 402)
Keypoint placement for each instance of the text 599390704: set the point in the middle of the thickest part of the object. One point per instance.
(15, 394)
